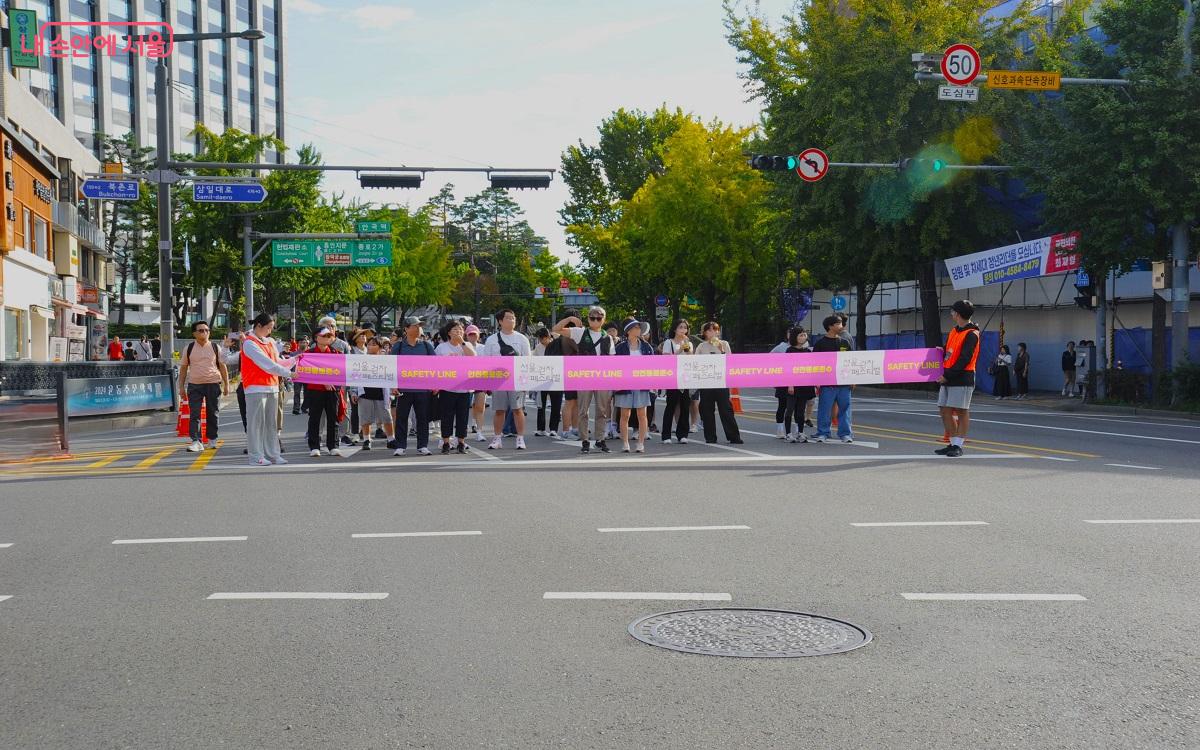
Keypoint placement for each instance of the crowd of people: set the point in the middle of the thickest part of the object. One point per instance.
(339, 417)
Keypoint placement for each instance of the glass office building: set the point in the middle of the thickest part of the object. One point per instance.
(222, 84)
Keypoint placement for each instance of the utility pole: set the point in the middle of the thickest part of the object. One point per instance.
(1181, 296)
(248, 265)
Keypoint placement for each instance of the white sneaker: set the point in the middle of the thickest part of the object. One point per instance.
(195, 447)
(315, 453)
(683, 441)
(847, 439)
(819, 439)
(424, 451)
(553, 433)
(337, 452)
(398, 452)
(693, 429)
(539, 433)
(792, 438)
(801, 437)
(497, 442)
(281, 461)
(324, 451)
(260, 462)
(779, 433)
(666, 441)
(520, 443)
(479, 438)
(210, 444)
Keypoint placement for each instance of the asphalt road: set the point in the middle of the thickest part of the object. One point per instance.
(120, 645)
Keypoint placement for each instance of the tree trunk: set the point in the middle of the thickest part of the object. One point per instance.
(931, 314)
(124, 281)
(742, 332)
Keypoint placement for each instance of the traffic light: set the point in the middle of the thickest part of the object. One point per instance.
(773, 163)
(390, 180)
(922, 165)
(520, 181)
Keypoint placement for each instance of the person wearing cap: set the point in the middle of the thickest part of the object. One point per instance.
(591, 340)
(958, 377)
(416, 400)
(479, 398)
(261, 370)
(323, 400)
(633, 401)
(506, 342)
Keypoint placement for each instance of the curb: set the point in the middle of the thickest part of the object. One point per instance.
(1052, 403)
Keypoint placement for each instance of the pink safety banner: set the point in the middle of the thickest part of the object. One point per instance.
(621, 373)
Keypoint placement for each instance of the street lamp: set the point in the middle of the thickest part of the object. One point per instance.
(163, 147)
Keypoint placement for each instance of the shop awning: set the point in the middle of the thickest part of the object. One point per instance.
(96, 314)
(45, 312)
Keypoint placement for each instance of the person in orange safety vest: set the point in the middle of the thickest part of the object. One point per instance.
(958, 377)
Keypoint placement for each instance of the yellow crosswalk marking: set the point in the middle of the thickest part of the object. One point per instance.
(106, 461)
(203, 459)
(149, 461)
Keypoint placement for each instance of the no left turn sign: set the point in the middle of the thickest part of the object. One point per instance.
(960, 64)
(812, 164)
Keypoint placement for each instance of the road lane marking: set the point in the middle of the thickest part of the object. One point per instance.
(206, 456)
(1135, 466)
(674, 528)
(148, 462)
(4, 598)
(6, 545)
(295, 595)
(1147, 520)
(862, 443)
(1057, 458)
(923, 523)
(637, 595)
(933, 440)
(106, 461)
(735, 449)
(977, 443)
(170, 540)
(994, 597)
(391, 534)
(1072, 429)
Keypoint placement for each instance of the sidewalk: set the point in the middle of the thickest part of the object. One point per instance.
(1048, 400)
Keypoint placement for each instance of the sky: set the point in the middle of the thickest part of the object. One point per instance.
(508, 83)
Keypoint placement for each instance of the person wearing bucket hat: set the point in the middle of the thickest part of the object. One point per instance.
(633, 401)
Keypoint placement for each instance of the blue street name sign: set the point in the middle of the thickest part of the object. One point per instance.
(111, 190)
(228, 192)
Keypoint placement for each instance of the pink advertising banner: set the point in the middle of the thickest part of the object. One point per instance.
(621, 373)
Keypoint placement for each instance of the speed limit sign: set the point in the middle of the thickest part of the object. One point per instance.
(960, 64)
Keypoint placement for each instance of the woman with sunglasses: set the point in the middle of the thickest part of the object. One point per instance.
(678, 401)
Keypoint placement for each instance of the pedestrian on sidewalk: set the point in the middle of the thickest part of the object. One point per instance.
(415, 400)
(679, 402)
(1021, 368)
(633, 401)
(1002, 386)
(116, 352)
(834, 395)
(1068, 368)
(782, 392)
(958, 377)
(204, 377)
(507, 342)
(715, 401)
(455, 405)
(591, 341)
(142, 350)
(298, 400)
(478, 398)
(261, 371)
(323, 400)
(373, 403)
(797, 396)
(549, 345)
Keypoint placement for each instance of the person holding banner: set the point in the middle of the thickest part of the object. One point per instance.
(831, 395)
(323, 400)
(455, 405)
(716, 399)
(592, 341)
(261, 371)
(415, 399)
(506, 342)
(633, 401)
(958, 377)
(678, 401)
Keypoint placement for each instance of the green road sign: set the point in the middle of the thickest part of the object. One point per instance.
(22, 38)
(373, 227)
(330, 253)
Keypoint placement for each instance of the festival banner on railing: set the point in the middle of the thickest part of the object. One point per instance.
(609, 373)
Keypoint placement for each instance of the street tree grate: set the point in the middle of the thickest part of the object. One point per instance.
(748, 632)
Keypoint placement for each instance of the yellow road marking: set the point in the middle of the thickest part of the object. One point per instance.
(977, 443)
(868, 431)
(146, 463)
(105, 461)
(203, 459)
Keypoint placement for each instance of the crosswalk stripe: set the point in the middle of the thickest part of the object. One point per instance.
(148, 462)
(106, 461)
(206, 456)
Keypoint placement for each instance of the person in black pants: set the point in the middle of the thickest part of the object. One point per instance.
(679, 403)
(716, 399)
(1022, 371)
(555, 398)
(323, 400)
(418, 401)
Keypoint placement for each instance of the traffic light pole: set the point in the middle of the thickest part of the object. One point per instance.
(162, 155)
(1181, 295)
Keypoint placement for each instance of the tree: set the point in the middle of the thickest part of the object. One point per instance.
(126, 218)
(422, 272)
(838, 75)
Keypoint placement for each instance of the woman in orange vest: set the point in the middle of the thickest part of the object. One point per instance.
(261, 371)
(958, 377)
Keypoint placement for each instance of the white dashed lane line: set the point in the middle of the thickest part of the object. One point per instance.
(994, 597)
(1135, 466)
(1147, 520)
(171, 540)
(392, 534)
(923, 523)
(638, 595)
(296, 595)
(675, 528)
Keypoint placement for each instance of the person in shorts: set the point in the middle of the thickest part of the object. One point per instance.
(374, 403)
(507, 342)
(958, 377)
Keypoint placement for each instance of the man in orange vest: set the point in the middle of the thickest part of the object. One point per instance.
(958, 377)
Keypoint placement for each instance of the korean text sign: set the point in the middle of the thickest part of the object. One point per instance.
(1041, 257)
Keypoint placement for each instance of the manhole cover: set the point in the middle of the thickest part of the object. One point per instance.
(764, 633)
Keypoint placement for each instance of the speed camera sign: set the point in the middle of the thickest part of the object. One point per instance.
(960, 64)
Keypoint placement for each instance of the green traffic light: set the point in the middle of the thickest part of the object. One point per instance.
(792, 163)
(938, 165)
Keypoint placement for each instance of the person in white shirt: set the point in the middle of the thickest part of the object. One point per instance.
(143, 351)
(507, 343)
(455, 405)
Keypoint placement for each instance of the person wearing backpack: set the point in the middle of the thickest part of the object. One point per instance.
(204, 377)
(419, 401)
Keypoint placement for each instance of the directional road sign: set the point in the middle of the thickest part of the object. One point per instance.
(330, 253)
(111, 190)
(661, 300)
(373, 227)
(228, 192)
(960, 64)
(813, 164)
(958, 93)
